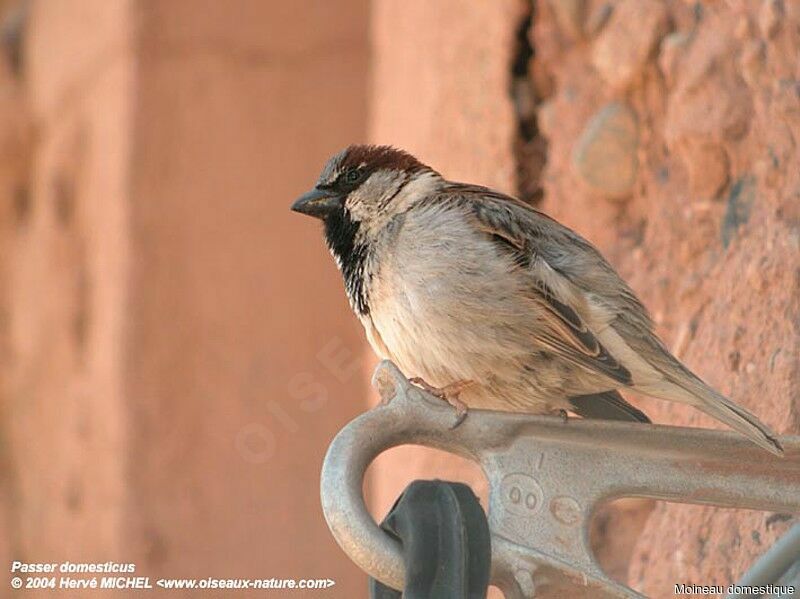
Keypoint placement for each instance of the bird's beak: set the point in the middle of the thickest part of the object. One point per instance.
(317, 203)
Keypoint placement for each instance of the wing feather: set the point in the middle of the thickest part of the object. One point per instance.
(565, 333)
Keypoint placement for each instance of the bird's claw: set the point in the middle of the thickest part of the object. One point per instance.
(448, 393)
(461, 411)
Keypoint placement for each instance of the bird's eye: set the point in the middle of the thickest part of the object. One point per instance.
(352, 176)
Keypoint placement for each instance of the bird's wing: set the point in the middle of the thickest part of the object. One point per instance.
(565, 332)
(580, 279)
(561, 248)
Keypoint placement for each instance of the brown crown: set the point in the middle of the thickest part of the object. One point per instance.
(378, 157)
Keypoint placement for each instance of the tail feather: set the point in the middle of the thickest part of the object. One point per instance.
(740, 419)
(609, 405)
(693, 391)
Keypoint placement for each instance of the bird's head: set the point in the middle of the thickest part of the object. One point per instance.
(366, 185)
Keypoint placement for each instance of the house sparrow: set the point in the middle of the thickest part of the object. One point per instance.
(491, 303)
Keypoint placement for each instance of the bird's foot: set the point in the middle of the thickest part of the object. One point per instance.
(449, 393)
(564, 416)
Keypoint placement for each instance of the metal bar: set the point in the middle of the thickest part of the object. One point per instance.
(545, 478)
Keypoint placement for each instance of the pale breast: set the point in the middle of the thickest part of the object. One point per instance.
(446, 306)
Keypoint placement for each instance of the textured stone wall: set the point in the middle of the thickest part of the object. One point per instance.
(672, 132)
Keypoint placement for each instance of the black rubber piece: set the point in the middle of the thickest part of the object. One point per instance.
(446, 544)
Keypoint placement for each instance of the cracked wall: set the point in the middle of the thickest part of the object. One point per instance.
(672, 133)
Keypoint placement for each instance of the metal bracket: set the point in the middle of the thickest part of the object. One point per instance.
(545, 478)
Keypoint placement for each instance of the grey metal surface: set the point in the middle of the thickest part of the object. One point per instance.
(790, 579)
(545, 478)
(772, 567)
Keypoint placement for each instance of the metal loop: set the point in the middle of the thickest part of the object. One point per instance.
(545, 478)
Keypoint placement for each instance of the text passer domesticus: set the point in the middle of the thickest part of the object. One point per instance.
(492, 303)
